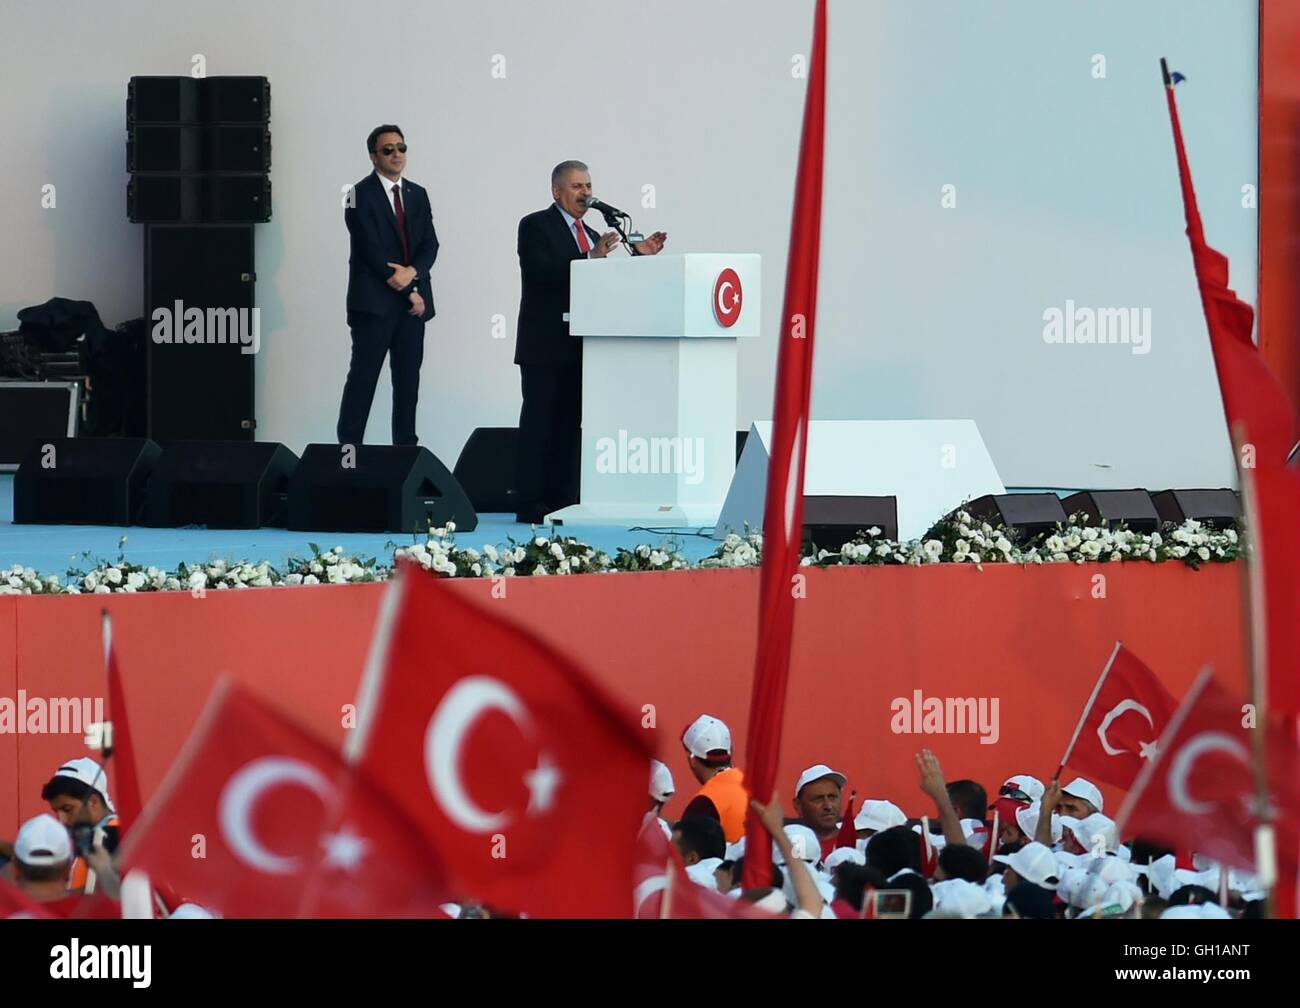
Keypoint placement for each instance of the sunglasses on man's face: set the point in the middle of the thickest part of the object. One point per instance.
(1014, 792)
(387, 149)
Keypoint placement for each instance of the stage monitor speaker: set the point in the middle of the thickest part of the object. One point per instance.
(152, 147)
(1220, 508)
(1027, 513)
(201, 389)
(928, 466)
(830, 521)
(35, 411)
(1108, 508)
(236, 99)
(375, 488)
(486, 469)
(221, 484)
(84, 481)
(163, 100)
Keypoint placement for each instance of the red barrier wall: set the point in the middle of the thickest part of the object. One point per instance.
(1034, 638)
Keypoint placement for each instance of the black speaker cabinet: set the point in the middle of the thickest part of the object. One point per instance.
(236, 99)
(35, 411)
(203, 331)
(221, 484)
(831, 521)
(1027, 513)
(486, 469)
(84, 481)
(375, 488)
(1110, 507)
(163, 100)
(152, 147)
(1220, 508)
(193, 198)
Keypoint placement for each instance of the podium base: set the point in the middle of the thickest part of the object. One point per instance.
(638, 515)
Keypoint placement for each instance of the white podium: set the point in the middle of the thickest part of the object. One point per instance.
(659, 384)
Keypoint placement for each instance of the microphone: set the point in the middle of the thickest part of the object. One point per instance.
(591, 203)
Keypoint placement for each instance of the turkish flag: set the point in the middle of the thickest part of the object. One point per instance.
(783, 507)
(1199, 791)
(241, 819)
(1124, 717)
(664, 890)
(126, 779)
(510, 762)
(14, 903)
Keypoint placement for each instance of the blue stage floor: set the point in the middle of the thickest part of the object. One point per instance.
(52, 549)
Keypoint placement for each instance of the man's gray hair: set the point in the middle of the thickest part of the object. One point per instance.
(563, 168)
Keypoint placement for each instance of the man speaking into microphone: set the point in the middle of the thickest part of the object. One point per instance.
(549, 358)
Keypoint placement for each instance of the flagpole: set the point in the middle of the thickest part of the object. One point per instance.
(1087, 710)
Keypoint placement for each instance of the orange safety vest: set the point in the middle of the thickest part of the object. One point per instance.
(727, 792)
(80, 877)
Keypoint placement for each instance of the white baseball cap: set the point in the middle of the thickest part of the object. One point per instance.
(804, 842)
(707, 738)
(1033, 863)
(878, 815)
(816, 773)
(1027, 820)
(1032, 787)
(1086, 831)
(736, 851)
(661, 781)
(1080, 788)
(1196, 911)
(43, 841)
(840, 855)
(961, 898)
(88, 772)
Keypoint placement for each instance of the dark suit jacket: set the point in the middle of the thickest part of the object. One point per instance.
(546, 247)
(372, 227)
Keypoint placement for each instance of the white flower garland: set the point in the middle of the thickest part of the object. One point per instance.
(960, 539)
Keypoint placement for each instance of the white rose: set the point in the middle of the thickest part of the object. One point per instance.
(539, 541)
(172, 584)
(1090, 533)
(103, 590)
(933, 549)
(311, 579)
(293, 579)
(135, 581)
(478, 570)
(15, 581)
(961, 549)
(1090, 549)
(509, 572)
(451, 526)
(1203, 553)
(198, 579)
(113, 576)
(490, 552)
(976, 558)
(316, 568)
(557, 551)
(262, 582)
(540, 571)
(1230, 535)
(1003, 544)
(644, 551)
(1054, 544)
(731, 542)
(519, 554)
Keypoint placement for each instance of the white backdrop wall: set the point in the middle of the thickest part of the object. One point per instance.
(1064, 180)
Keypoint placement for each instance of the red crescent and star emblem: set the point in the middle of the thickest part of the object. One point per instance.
(727, 298)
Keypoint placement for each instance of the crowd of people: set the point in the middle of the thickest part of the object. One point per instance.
(1036, 851)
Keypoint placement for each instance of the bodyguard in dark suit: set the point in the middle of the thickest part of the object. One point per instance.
(549, 359)
(393, 247)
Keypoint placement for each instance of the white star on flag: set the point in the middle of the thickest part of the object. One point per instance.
(344, 849)
(542, 783)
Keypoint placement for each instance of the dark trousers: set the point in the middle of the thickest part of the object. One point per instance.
(546, 470)
(373, 337)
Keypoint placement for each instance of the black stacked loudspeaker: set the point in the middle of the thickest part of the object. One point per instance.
(1110, 507)
(375, 488)
(84, 481)
(199, 151)
(221, 484)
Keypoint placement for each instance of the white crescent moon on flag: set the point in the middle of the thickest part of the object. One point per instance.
(240, 795)
(1120, 708)
(724, 308)
(1185, 759)
(458, 712)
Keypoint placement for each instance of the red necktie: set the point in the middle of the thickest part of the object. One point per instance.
(401, 223)
(583, 244)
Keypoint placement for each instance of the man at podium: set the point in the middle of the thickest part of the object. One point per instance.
(549, 359)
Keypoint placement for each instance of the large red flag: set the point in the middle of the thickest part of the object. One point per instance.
(1121, 722)
(1260, 423)
(126, 782)
(242, 814)
(15, 903)
(511, 762)
(1199, 792)
(783, 509)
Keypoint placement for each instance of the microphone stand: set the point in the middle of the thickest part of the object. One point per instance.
(614, 220)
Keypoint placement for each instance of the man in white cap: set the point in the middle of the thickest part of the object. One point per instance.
(722, 794)
(78, 795)
(1078, 799)
(42, 853)
(874, 817)
(817, 804)
(661, 791)
(1030, 880)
